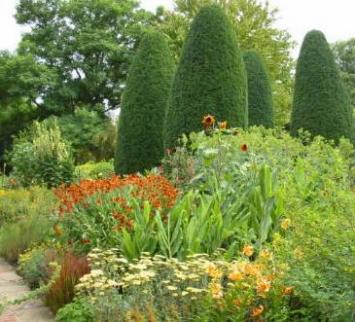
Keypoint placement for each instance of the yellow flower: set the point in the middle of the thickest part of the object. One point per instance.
(248, 250)
(216, 290)
(213, 271)
(235, 276)
(263, 287)
(252, 269)
(265, 254)
(286, 223)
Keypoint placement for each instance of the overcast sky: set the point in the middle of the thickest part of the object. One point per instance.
(334, 17)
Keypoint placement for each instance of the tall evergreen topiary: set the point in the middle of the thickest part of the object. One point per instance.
(140, 141)
(259, 90)
(321, 104)
(210, 78)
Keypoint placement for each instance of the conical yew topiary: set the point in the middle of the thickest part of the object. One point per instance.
(259, 90)
(210, 78)
(140, 141)
(321, 103)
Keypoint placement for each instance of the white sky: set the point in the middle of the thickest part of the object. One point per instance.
(334, 17)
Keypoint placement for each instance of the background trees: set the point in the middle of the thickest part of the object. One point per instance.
(210, 78)
(253, 23)
(321, 102)
(86, 44)
(344, 52)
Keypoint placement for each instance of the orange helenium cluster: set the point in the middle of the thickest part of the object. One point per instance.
(154, 188)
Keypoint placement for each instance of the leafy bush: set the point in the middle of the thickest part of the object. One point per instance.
(95, 211)
(23, 203)
(316, 185)
(62, 291)
(44, 159)
(80, 310)
(15, 238)
(92, 135)
(90, 170)
(34, 264)
(318, 248)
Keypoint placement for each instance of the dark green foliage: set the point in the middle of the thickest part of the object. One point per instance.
(210, 79)
(259, 90)
(144, 104)
(321, 103)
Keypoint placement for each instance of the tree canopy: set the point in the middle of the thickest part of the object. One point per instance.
(254, 26)
(85, 44)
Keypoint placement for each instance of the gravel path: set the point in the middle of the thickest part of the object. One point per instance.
(12, 286)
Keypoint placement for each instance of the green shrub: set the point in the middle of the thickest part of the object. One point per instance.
(15, 238)
(140, 141)
(24, 203)
(90, 170)
(43, 160)
(92, 135)
(259, 90)
(80, 310)
(321, 103)
(318, 251)
(34, 264)
(316, 183)
(210, 78)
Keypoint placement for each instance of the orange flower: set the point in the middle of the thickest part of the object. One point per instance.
(263, 287)
(222, 125)
(288, 290)
(252, 269)
(244, 148)
(216, 290)
(248, 250)
(214, 272)
(237, 302)
(208, 121)
(154, 188)
(256, 311)
(235, 276)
